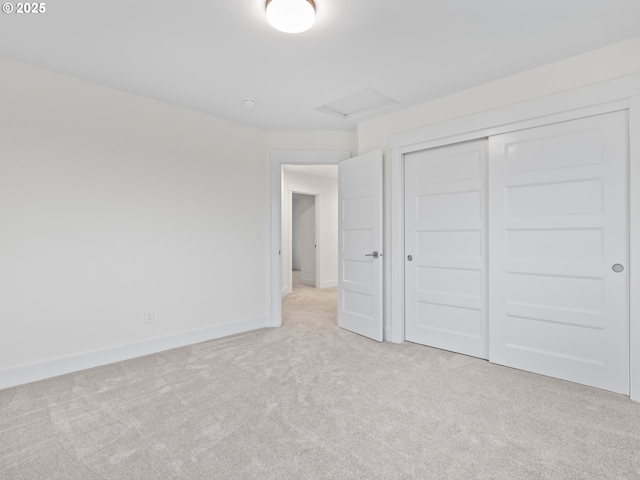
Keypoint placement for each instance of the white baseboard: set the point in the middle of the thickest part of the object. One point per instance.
(286, 291)
(329, 284)
(60, 366)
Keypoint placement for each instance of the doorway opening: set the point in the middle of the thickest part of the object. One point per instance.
(358, 236)
(304, 246)
(309, 236)
(290, 159)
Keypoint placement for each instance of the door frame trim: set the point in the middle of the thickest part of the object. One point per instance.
(278, 158)
(616, 95)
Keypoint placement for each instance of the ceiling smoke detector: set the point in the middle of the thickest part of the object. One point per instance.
(291, 16)
(248, 103)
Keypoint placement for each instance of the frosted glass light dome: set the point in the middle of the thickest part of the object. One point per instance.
(291, 16)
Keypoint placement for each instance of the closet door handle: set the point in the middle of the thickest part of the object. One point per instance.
(374, 254)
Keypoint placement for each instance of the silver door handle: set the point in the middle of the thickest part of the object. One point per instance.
(618, 268)
(374, 254)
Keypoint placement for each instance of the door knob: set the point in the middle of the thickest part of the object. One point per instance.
(617, 268)
(410, 257)
(374, 254)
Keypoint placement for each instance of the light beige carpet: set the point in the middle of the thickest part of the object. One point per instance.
(311, 401)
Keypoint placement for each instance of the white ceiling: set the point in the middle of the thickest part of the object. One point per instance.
(208, 55)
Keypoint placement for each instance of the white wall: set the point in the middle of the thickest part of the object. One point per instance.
(307, 141)
(111, 204)
(616, 61)
(327, 189)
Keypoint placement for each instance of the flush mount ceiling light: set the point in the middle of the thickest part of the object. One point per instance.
(291, 16)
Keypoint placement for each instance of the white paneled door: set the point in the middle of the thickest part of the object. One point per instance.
(558, 251)
(445, 248)
(360, 245)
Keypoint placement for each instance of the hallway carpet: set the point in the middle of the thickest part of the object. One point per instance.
(311, 401)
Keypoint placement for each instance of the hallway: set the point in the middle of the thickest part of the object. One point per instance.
(306, 303)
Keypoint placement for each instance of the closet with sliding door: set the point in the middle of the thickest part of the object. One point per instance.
(516, 246)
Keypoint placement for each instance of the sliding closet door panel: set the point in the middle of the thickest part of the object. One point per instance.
(558, 225)
(445, 215)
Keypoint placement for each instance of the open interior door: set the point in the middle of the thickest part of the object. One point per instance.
(360, 245)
